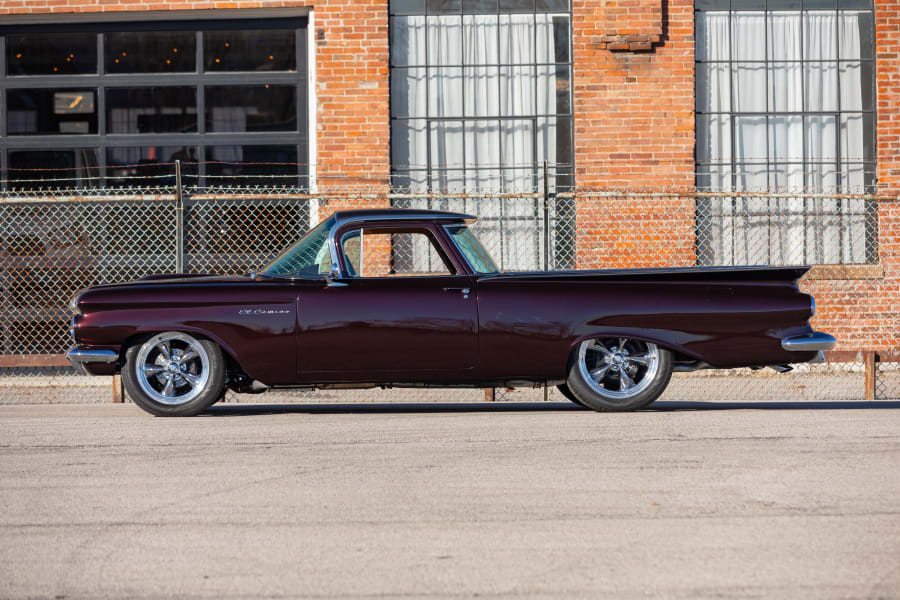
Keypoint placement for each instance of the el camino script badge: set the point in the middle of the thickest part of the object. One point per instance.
(263, 311)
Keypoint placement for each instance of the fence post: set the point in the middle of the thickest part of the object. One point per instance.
(179, 220)
(869, 359)
(546, 219)
(118, 392)
(546, 243)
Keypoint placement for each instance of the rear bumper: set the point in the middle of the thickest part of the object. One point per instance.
(810, 342)
(92, 361)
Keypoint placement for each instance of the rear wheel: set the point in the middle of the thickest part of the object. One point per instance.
(174, 374)
(619, 374)
(565, 391)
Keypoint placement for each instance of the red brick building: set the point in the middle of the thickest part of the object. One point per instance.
(800, 95)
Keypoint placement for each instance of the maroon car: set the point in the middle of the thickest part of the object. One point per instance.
(382, 298)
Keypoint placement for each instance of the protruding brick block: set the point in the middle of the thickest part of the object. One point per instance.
(635, 26)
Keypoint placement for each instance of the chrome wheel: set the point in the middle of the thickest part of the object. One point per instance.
(172, 368)
(618, 368)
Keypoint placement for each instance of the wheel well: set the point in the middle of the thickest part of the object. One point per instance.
(232, 366)
(681, 357)
(688, 362)
(138, 338)
(676, 354)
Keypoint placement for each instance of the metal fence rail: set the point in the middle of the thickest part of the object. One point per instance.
(55, 241)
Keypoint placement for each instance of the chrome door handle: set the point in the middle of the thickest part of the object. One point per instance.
(452, 289)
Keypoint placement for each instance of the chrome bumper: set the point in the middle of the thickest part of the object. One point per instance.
(809, 342)
(78, 356)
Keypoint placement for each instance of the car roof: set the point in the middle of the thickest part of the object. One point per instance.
(401, 214)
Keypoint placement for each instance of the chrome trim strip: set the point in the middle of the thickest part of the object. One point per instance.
(77, 356)
(349, 217)
(810, 341)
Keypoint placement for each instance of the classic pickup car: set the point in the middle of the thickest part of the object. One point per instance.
(381, 298)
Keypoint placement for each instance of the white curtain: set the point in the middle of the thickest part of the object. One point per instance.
(773, 150)
(464, 91)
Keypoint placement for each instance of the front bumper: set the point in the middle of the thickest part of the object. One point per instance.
(86, 359)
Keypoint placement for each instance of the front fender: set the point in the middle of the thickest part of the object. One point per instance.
(264, 345)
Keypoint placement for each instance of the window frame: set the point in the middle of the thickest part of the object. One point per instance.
(201, 139)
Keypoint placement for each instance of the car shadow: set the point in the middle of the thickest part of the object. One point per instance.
(233, 410)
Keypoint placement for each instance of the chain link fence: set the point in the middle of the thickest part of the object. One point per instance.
(887, 379)
(55, 241)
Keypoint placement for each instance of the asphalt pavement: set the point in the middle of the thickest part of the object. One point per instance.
(690, 499)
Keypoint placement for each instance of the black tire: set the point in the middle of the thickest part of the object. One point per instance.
(211, 391)
(596, 397)
(565, 391)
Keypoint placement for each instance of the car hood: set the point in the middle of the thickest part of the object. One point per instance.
(172, 278)
(177, 289)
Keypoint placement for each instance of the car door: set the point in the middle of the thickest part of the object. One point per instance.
(401, 309)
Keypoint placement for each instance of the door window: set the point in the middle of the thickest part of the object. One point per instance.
(392, 253)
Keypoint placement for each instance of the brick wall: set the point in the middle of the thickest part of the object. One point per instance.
(624, 232)
(887, 69)
(352, 85)
(634, 128)
(634, 110)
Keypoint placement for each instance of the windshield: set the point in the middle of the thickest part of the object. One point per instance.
(309, 257)
(477, 257)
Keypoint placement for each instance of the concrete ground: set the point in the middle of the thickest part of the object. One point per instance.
(690, 499)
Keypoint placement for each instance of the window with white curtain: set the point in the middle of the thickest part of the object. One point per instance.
(480, 98)
(785, 103)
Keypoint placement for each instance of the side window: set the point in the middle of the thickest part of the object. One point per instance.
(392, 253)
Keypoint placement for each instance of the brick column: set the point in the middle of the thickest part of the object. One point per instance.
(634, 128)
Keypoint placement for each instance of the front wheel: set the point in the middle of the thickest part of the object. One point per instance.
(619, 374)
(174, 374)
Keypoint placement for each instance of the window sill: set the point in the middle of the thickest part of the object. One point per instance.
(846, 272)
